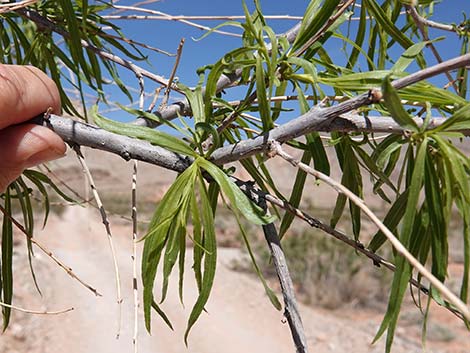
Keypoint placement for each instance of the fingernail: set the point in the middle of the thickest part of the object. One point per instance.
(42, 157)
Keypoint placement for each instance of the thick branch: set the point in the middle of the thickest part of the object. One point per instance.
(322, 119)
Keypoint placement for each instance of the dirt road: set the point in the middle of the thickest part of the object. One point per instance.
(239, 318)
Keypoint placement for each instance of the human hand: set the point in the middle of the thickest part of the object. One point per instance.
(25, 92)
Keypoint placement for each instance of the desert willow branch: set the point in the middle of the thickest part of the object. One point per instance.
(129, 148)
(333, 118)
(276, 149)
(48, 253)
(291, 310)
(109, 235)
(83, 134)
(45, 23)
(425, 22)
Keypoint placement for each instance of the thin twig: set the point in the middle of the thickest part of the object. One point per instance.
(107, 226)
(314, 98)
(45, 23)
(134, 257)
(46, 251)
(417, 18)
(162, 14)
(198, 18)
(4, 8)
(134, 42)
(179, 51)
(139, 3)
(155, 98)
(36, 312)
(428, 23)
(276, 149)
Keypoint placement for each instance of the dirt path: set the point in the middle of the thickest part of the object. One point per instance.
(239, 319)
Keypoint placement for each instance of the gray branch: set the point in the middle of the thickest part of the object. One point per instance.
(323, 119)
(291, 310)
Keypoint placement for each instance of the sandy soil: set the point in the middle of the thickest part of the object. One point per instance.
(239, 318)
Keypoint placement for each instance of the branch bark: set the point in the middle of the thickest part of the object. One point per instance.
(323, 119)
(291, 310)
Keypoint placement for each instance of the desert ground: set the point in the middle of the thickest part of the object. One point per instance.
(239, 317)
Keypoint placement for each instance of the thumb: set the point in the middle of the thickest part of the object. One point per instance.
(23, 146)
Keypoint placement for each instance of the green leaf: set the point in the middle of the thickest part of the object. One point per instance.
(360, 35)
(395, 108)
(459, 120)
(36, 177)
(210, 259)
(162, 314)
(155, 137)
(403, 269)
(264, 103)
(410, 55)
(314, 19)
(386, 24)
(237, 198)
(157, 235)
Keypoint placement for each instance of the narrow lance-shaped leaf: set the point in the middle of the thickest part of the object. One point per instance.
(157, 234)
(155, 137)
(210, 258)
(237, 198)
(394, 106)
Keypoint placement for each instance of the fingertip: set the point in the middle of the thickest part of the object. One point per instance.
(24, 146)
(25, 92)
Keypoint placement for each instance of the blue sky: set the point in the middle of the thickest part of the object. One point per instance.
(166, 35)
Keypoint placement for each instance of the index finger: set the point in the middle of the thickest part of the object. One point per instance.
(25, 91)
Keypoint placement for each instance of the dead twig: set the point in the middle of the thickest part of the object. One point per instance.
(46, 251)
(134, 258)
(36, 312)
(179, 51)
(162, 15)
(107, 226)
(421, 27)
